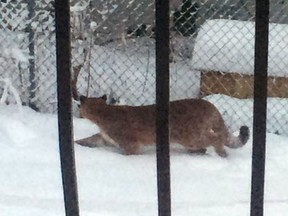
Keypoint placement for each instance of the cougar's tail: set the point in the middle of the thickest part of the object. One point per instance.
(241, 139)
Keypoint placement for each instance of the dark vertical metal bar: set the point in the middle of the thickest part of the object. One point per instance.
(260, 107)
(63, 54)
(162, 106)
(31, 46)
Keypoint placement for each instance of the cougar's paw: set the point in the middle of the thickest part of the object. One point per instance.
(201, 151)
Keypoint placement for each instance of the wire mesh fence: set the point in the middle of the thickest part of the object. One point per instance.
(113, 53)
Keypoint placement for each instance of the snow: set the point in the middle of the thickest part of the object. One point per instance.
(228, 46)
(10, 88)
(127, 72)
(110, 183)
(277, 118)
(130, 74)
(13, 46)
(113, 184)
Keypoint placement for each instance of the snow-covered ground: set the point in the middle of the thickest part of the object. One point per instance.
(110, 183)
(113, 184)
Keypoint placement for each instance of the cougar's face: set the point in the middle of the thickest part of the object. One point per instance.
(90, 104)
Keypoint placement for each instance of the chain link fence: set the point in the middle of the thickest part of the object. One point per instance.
(113, 53)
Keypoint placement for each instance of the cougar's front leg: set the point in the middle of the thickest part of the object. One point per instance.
(200, 151)
(92, 141)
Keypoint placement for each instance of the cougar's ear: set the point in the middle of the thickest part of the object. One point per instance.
(104, 97)
(82, 99)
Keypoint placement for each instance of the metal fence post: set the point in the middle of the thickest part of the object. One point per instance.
(260, 107)
(63, 54)
(162, 106)
(31, 37)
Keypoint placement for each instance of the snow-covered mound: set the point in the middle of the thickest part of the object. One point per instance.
(228, 46)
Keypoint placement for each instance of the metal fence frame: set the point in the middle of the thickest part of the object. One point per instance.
(260, 107)
(64, 94)
(162, 74)
(162, 107)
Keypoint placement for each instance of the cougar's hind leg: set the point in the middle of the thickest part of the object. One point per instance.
(218, 145)
(217, 140)
(130, 149)
(190, 148)
(221, 151)
(130, 146)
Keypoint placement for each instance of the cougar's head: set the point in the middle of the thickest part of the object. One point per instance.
(89, 105)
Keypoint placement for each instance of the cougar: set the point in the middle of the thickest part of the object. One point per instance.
(193, 123)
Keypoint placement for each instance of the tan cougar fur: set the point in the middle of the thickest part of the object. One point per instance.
(194, 123)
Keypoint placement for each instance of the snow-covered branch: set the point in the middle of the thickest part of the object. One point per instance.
(9, 87)
(14, 53)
